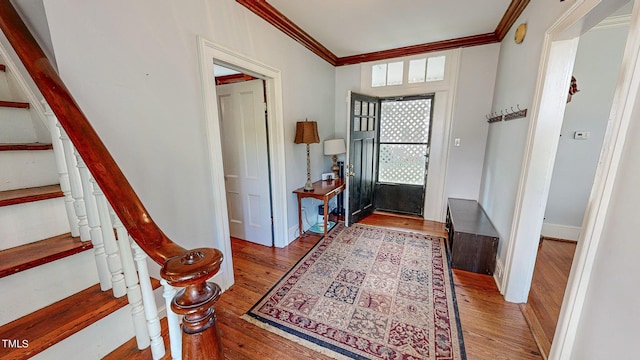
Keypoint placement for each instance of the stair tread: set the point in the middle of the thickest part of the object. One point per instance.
(58, 321)
(25, 146)
(19, 196)
(130, 351)
(30, 255)
(15, 104)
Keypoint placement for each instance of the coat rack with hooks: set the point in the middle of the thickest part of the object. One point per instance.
(506, 115)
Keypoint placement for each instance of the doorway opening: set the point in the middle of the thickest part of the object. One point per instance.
(242, 115)
(579, 146)
(403, 154)
(210, 53)
(388, 153)
(558, 54)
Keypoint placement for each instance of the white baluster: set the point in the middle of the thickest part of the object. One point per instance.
(95, 230)
(110, 245)
(173, 321)
(134, 294)
(150, 308)
(61, 166)
(75, 185)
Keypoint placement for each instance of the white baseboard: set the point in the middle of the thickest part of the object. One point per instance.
(293, 234)
(561, 231)
(498, 274)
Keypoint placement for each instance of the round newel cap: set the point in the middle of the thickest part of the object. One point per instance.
(193, 266)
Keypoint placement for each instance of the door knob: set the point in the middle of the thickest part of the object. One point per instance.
(350, 166)
(352, 173)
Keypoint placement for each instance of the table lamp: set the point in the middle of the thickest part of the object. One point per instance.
(307, 133)
(334, 147)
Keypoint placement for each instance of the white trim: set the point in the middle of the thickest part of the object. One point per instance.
(208, 52)
(347, 177)
(613, 22)
(498, 274)
(558, 231)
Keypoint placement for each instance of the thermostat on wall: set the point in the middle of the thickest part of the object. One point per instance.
(581, 135)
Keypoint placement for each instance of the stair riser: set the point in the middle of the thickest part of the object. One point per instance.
(45, 284)
(25, 169)
(25, 223)
(99, 339)
(17, 126)
(94, 342)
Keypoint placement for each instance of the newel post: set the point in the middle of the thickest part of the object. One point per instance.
(200, 337)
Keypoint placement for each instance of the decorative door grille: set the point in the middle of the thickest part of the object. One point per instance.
(404, 141)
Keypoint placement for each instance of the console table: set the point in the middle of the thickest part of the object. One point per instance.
(323, 190)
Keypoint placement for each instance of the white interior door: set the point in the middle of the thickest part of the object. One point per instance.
(245, 155)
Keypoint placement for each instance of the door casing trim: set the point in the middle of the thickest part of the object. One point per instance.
(209, 51)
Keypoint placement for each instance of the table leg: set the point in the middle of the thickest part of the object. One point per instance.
(326, 215)
(300, 215)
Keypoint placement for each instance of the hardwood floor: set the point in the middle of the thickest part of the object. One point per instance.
(492, 328)
(550, 276)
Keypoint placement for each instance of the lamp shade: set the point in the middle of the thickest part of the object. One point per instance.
(307, 132)
(334, 147)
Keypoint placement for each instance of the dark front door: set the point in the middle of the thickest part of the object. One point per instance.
(361, 168)
(403, 154)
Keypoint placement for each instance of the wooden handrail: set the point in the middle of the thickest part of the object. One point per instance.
(181, 267)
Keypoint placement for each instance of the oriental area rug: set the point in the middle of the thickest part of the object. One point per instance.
(367, 292)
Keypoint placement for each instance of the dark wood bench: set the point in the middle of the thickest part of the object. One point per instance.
(473, 241)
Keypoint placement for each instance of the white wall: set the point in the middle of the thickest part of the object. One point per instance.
(476, 78)
(474, 94)
(515, 85)
(133, 69)
(596, 70)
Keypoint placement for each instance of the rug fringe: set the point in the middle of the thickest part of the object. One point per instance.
(286, 335)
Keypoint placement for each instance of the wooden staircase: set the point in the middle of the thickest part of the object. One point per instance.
(102, 205)
(56, 321)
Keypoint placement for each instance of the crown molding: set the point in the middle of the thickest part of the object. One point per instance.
(419, 49)
(509, 18)
(284, 24)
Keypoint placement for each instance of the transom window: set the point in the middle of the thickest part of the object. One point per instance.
(419, 70)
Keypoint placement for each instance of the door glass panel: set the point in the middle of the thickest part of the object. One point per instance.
(372, 109)
(372, 124)
(356, 123)
(365, 108)
(356, 107)
(402, 164)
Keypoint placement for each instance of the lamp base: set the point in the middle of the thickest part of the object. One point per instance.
(335, 168)
(308, 186)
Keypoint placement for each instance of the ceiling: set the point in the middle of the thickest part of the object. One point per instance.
(351, 31)
(357, 26)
